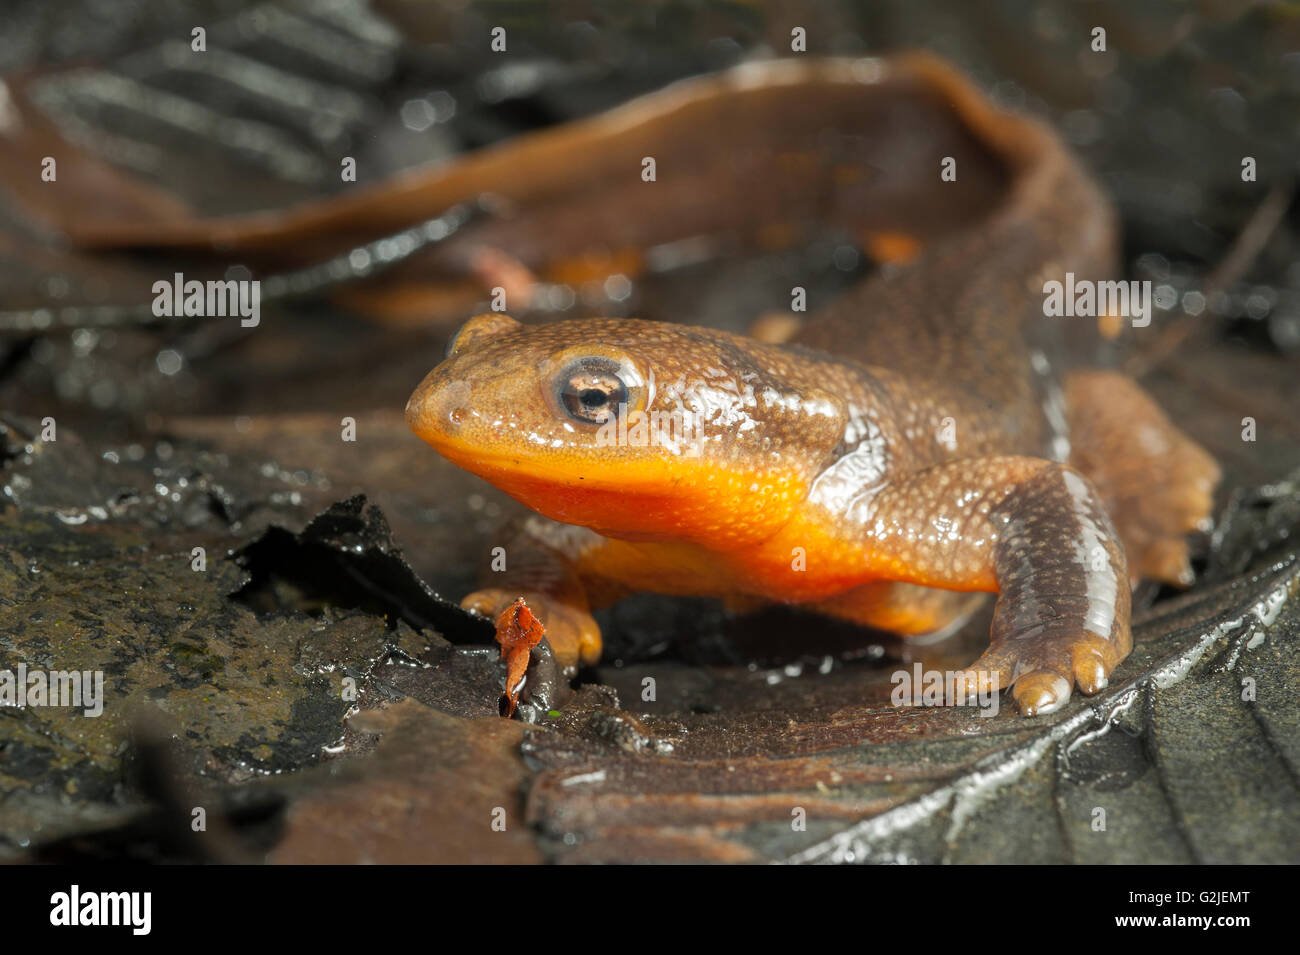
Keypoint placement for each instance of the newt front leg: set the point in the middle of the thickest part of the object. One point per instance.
(1035, 532)
(545, 576)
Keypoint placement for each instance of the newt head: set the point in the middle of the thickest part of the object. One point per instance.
(638, 429)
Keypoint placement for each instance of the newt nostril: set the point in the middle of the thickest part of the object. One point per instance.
(445, 408)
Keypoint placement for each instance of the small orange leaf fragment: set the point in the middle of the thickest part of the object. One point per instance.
(497, 269)
(518, 631)
(892, 247)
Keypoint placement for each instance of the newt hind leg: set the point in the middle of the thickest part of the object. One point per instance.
(1157, 484)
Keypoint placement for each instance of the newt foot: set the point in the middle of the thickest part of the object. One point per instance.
(1043, 670)
(1158, 484)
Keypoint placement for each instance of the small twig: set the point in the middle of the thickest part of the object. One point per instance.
(363, 261)
(1247, 246)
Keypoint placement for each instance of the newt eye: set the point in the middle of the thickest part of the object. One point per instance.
(590, 390)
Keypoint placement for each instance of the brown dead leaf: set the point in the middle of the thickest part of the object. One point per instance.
(518, 631)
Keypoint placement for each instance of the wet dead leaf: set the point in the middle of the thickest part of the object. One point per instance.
(518, 631)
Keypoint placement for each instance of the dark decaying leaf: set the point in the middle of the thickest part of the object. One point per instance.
(338, 709)
(345, 557)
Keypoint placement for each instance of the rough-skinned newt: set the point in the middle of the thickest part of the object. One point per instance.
(919, 439)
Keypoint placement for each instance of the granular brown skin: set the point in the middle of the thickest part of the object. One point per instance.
(913, 443)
